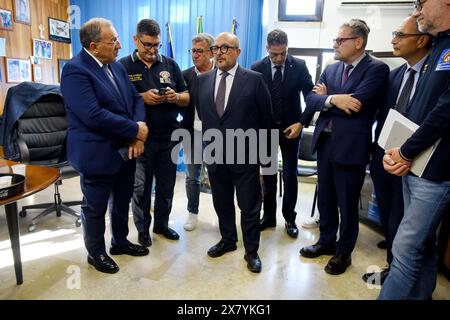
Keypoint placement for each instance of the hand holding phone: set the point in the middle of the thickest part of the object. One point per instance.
(162, 91)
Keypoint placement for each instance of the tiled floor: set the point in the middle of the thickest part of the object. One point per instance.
(54, 261)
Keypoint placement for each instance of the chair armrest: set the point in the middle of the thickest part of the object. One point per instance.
(23, 149)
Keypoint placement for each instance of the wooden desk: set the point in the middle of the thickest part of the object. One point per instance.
(37, 179)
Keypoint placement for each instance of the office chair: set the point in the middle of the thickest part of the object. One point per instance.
(307, 168)
(40, 136)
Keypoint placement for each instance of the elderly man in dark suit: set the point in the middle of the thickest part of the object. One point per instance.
(105, 133)
(348, 95)
(286, 77)
(232, 98)
(412, 45)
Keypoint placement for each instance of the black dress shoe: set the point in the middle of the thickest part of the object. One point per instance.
(338, 264)
(316, 250)
(167, 232)
(103, 263)
(130, 249)
(145, 239)
(253, 262)
(266, 223)
(291, 229)
(376, 277)
(221, 248)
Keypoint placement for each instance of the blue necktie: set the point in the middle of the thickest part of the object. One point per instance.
(111, 77)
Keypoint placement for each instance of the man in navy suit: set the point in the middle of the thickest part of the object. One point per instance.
(105, 133)
(232, 98)
(412, 45)
(348, 95)
(426, 198)
(286, 77)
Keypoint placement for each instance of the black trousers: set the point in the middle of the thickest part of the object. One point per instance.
(224, 181)
(155, 162)
(389, 193)
(98, 191)
(289, 153)
(338, 197)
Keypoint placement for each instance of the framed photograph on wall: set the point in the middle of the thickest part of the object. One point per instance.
(37, 73)
(61, 64)
(22, 12)
(17, 70)
(6, 22)
(59, 30)
(42, 49)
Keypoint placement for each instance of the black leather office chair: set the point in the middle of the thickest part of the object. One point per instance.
(40, 135)
(307, 168)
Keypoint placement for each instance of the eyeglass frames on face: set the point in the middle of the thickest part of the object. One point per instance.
(401, 35)
(418, 4)
(198, 51)
(149, 46)
(113, 42)
(223, 49)
(340, 41)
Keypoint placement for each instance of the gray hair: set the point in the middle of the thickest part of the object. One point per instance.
(206, 37)
(359, 29)
(277, 37)
(91, 31)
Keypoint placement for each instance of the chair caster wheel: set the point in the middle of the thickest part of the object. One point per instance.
(31, 227)
(22, 214)
(78, 223)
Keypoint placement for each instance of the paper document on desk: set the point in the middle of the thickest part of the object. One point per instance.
(396, 130)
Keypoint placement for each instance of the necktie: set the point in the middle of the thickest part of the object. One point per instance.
(111, 77)
(220, 98)
(277, 98)
(346, 74)
(405, 95)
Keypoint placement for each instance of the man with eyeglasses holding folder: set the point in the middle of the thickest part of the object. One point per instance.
(427, 198)
(160, 82)
(347, 95)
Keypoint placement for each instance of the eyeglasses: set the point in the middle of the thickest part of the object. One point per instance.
(223, 49)
(149, 46)
(113, 43)
(274, 55)
(418, 4)
(340, 41)
(401, 35)
(199, 51)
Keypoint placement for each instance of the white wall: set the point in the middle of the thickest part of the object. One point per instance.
(382, 22)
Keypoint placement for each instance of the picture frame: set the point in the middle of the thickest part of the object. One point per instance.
(42, 49)
(22, 13)
(37, 73)
(61, 64)
(6, 20)
(17, 70)
(59, 30)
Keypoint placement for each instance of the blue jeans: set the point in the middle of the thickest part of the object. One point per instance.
(193, 155)
(413, 269)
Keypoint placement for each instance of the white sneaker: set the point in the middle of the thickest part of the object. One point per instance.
(311, 224)
(191, 222)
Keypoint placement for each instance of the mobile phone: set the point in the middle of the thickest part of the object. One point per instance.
(162, 91)
(124, 154)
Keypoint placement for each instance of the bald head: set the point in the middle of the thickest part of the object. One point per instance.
(229, 37)
(409, 43)
(226, 51)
